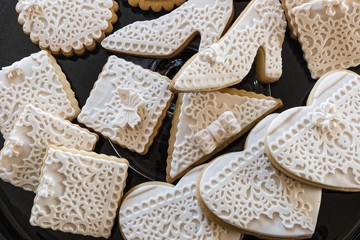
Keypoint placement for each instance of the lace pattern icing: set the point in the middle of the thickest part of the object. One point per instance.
(78, 193)
(263, 25)
(104, 110)
(328, 134)
(198, 111)
(22, 156)
(31, 80)
(163, 36)
(156, 211)
(245, 190)
(289, 5)
(328, 33)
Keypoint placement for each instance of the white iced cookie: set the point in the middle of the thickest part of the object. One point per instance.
(38, 80)
(328, 33)
(319, 144)
(79, 192)
(25, 148)
(157, 210)
(67, 26)
(205, 123)
(258, 32)
(127, 104)
(244, 190)
(168, 35)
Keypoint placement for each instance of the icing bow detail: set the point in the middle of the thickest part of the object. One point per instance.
(13, 70)
(215, 54)
(11, 149)
(331, 6)
(47, 187)
(327, 118)
(217, 132)
(129, 111)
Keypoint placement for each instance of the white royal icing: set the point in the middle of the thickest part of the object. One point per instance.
(229, 61)
(22, 156)
(159, 211)
(126, 104)
(65, 25)
(163, 36)
(31, 80)
(289, 5)
(79, 192)
(201, 112)
(319, 143)
(328, 33)
(245, 190)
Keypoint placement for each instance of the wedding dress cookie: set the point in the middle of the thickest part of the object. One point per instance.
(24, 150)
(329, 34)
(127, 104)
(168, 35)
(156, 5)
(38, 80)
(161, 211)
(205, 123)
(67, 26)
(79, 192)
(258, 32)
(243, 190)
(319, 144)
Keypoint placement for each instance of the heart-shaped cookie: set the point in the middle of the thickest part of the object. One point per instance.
(319, 144)
(243, 190)
(159, 210)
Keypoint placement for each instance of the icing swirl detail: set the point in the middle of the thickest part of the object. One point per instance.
(327, 118)
(47, 187)
(13, 70)
(12, 143)
(215, 54)
(332, 4)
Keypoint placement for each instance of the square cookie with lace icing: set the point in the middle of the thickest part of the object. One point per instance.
(156, 210)
(244, 190)
(319, 143)
(127, 104)
(206, 122)
(22, 155)
(67, 26)
(329, 34)
(79, 192)
(38, 80)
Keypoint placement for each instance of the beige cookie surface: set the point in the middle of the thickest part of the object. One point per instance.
(205, 123)
(67, 26)
(156, 5)
(317, 144)
(156, 210)
(242, 190)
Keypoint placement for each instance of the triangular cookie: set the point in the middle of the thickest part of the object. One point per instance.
(205, 123)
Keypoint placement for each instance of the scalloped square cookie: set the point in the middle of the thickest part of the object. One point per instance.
(24, 150)
(156, 210)
(38, 80)
(127, 104)
(79, 192)
(205, 123)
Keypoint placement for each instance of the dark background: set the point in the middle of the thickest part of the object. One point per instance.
(339, 216)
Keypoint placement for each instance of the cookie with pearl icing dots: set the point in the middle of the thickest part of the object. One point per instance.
(67, 26)
(157, 210)
(318, 144)
(156, 5)
(243, 191)
(205, 123)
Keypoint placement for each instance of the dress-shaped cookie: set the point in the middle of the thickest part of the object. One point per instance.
(160, 211)
(127, 104)
(329, 34)
(168, 35)
(38, 80)
(79, 192)
(67, 26)
(156, 5)
(243, 190)
(319, 144)
(24, 150)
(205, 123)
(258, 32)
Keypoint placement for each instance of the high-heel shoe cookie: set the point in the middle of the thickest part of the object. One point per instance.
(169, 34)
(258, 32)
